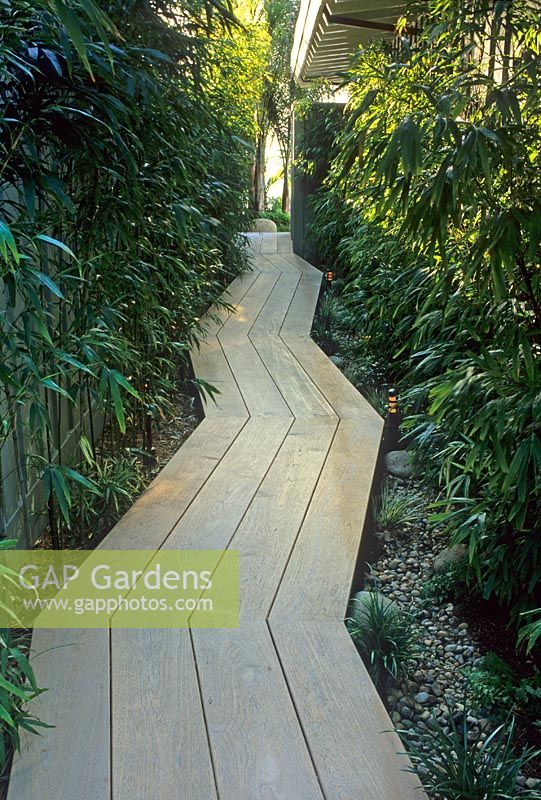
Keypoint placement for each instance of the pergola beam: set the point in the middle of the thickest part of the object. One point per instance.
(353, 22)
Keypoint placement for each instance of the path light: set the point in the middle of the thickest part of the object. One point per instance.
(392, 433)
(329, 277)
(393, 401)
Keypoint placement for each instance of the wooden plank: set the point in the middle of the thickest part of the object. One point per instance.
(70, 760)
(217, 315)
(303, 397)
(247, 310)
(254, 241)
(339, 392)
(210, 522)
(257, 745)
(146, 525)
(160, 744)
(348, 731)
(258, 390)
(269, 243)
(318, 577)
(271, 317)
(210, 364)
(303, 265)
(303, 305)
(268, 531)
(284, 243)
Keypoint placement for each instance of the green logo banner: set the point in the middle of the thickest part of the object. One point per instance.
(119, 588)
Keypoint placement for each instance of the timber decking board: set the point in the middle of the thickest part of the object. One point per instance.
(280, 708)
(164, 744)
(332, 529)
(348, 731)
(257, 745)
(270, 527)
(71, 760)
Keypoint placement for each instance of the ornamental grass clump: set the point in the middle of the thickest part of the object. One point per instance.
(385, 636)
(457, 766)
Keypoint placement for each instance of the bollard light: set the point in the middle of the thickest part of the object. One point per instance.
(329, 277)
(393, 401)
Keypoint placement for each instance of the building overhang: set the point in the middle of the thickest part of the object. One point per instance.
(328, 32)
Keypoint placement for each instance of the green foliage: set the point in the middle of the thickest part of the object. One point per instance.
(530, 633)
(324, 325)
(458, 767)
(124, 185)
(492, 684)
(17, 689)
(394, 509)
(281, 218)
(452, 584)
(385, 636)
(117, 482)
(495, 685)
(430, 214)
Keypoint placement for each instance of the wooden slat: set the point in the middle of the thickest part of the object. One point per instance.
(217, 315)
(271, 317)
(257, 745)
(211, 365)
(268, 531)
(248, 309)
(344, 398)
(269, 243)
(210, 523)
(303, 397)
(348, 731)
(258, 390)
(303, 305)
(150, 520)
(70, 760)
(284, 243)
(318, 578)
(160, 744)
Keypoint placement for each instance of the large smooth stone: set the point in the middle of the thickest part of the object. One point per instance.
(265, 226)
(449, 556)
(397, 463)
(361, 603)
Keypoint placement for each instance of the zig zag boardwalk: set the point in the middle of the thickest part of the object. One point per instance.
(281, 708)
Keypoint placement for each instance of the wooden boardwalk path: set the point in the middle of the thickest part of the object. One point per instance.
(281, 708)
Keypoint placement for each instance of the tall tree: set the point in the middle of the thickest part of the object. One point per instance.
(280, 90)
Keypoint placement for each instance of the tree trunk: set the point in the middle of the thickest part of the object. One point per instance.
(285, 190)
(259, 174)
(286, 156)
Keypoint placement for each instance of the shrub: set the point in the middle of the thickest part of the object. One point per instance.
(495, 685)
(18, 688)
(126, 184)
(117, 482)
(456, 766)
(281, 218)
(530, 633)
(428, 215)
(452, 584)
(324, 325)
(394, 509)
(385, 636)
(492, 684)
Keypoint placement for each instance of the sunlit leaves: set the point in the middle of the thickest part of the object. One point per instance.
(432, 210)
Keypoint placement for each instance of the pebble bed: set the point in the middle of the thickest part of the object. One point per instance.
(435, 688)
